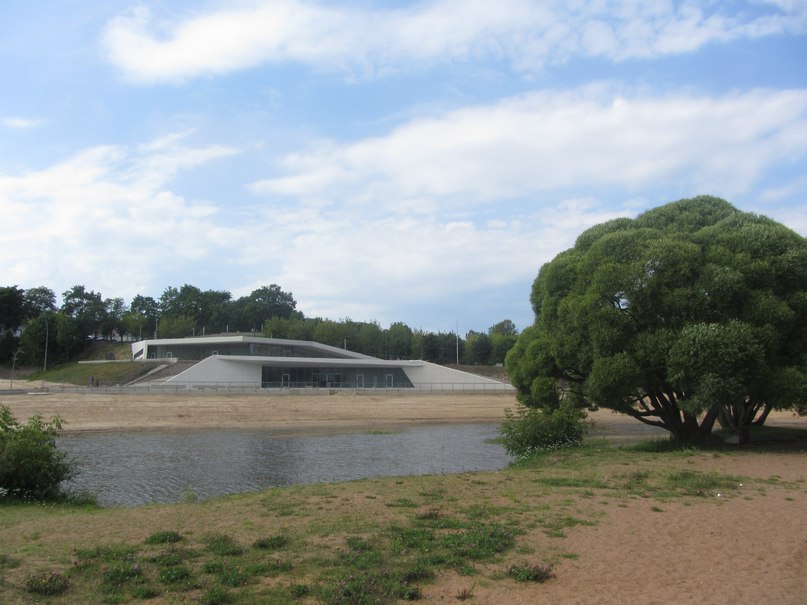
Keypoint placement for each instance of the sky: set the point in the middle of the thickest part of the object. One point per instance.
(413, 161)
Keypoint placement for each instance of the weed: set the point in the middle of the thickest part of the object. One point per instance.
(429, 515)
(411, 538)
(189, 496)
(402, 503)
(408, 592)
(362, 555)
(696, 483)
(164, 537)
(121, 573)
(212, 567)
(571, 482)
(222, 545)
(277, 567)
(233, 577)
(538, 572)
(272, 542)
(49, 584)
(299, 591)
(480, 541)
(174, 575)
(417, 573)
(466, 593)
(8, 563)
(365, 588)
(113, 552)
(216, 596)
(146, 592)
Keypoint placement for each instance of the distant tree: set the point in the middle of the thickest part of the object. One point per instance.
(505, 327)
(500, 345)
(113, 321)
(430, 347)
(39, 300)
(12, 308)
(262, 304)
(441, 347)
(185, 301)
(175, 326)
(478, 348)
(691, 314)
(215, 311)
(85, 307)
(398, 341)
(32, 339)
(69, 335)
(141, 318)
(330, 332)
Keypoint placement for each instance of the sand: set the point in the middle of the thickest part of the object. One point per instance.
(739, 550)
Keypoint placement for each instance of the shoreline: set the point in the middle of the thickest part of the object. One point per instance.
(341, 412)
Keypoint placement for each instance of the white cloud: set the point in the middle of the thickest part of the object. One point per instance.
(19, 123)
(369, 42)
(105, 216)
(549, 141)
(339, 262)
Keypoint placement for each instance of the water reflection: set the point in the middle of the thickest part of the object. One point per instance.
(140, 467)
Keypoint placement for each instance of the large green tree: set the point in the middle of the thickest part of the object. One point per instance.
(250, 312)
(691, 314)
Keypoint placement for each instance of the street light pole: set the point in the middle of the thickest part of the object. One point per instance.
(47, 334)
(13, 366)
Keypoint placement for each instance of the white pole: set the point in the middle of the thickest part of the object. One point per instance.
(45, 364)
(458, 341)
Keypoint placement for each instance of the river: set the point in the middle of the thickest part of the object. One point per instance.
(131, 468)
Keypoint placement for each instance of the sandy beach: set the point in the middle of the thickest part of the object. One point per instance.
(93, 411)
(737, 550)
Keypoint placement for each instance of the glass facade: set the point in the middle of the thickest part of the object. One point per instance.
(199, 351)
(343, 377)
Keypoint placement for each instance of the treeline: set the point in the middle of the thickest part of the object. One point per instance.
(32, 326)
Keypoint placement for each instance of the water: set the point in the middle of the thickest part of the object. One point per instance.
(131, 468)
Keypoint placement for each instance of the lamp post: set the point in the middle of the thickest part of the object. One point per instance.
(47, 334)
(13, 366)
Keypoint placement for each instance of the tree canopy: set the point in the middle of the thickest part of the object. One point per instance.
(691, 314)
(31, 322)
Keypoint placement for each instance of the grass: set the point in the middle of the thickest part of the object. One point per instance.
(106, 373)
(371, 541)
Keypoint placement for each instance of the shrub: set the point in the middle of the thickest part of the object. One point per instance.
(31, 466)
(528, 430)
(47, 584)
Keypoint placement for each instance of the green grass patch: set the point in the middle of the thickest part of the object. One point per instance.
(119, 372)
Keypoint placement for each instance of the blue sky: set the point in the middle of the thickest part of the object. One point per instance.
(389, 161)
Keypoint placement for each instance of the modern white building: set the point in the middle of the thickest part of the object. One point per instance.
(255, 361)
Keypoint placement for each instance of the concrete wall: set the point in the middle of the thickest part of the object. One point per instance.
(430, 375)
(221, 370)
